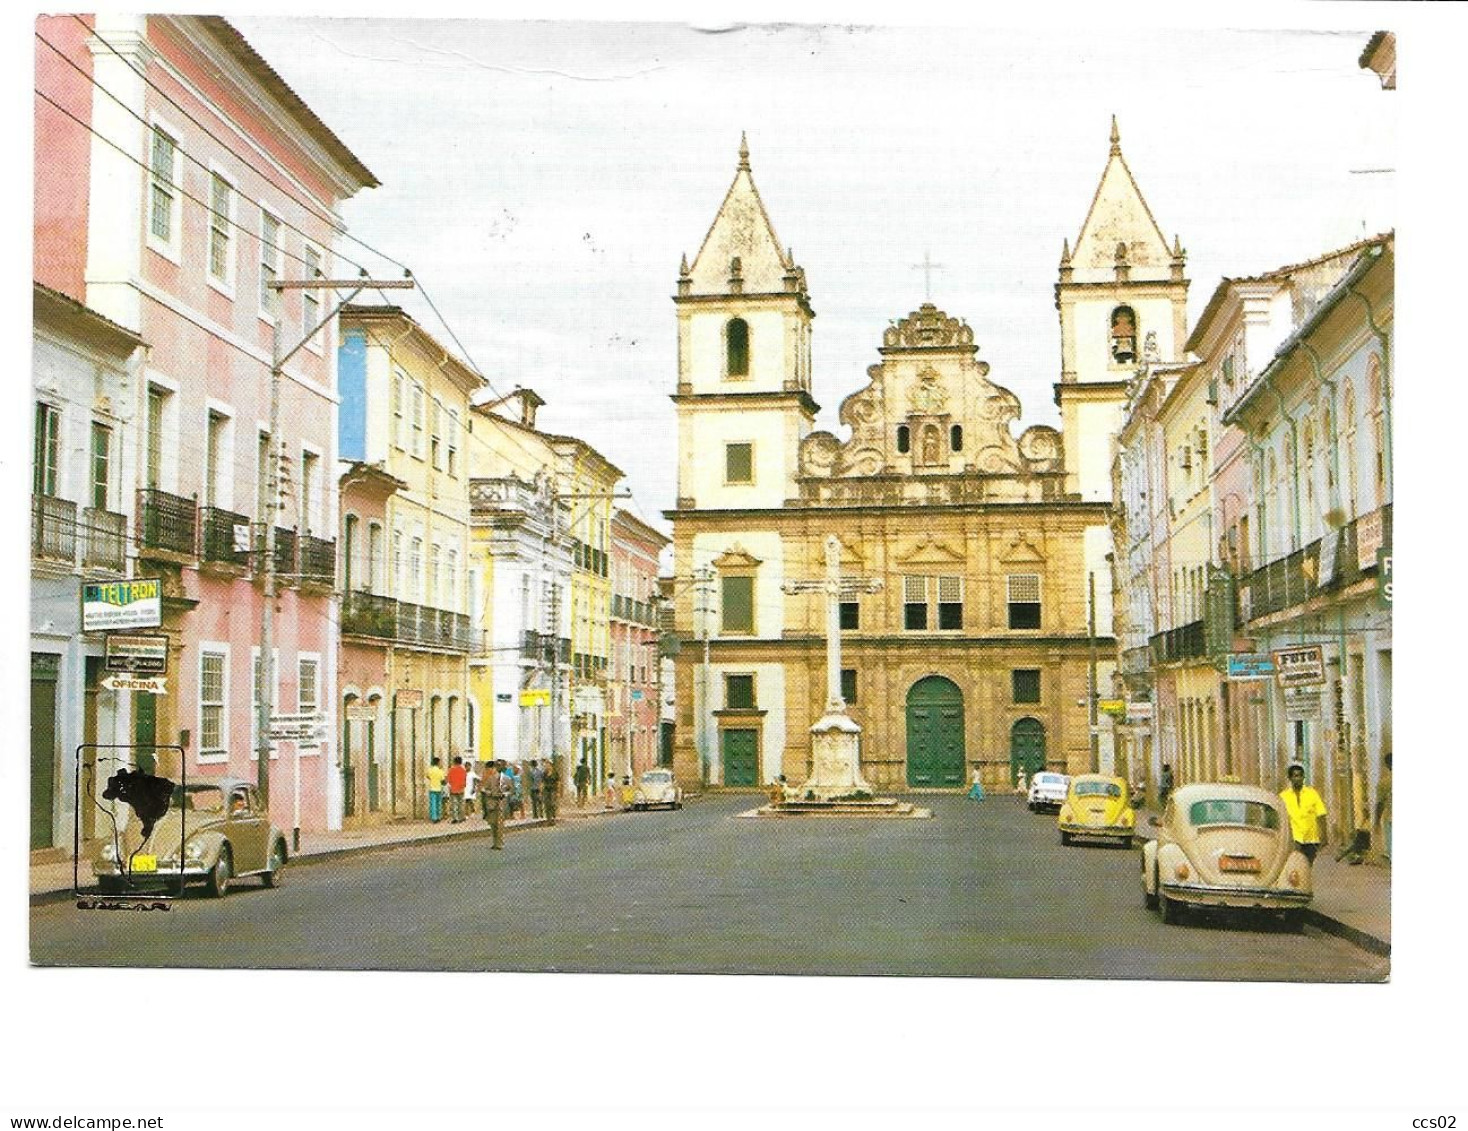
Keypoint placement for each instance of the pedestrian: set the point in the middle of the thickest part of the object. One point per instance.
(1022, 783)
(777, 791)
(550, 789)
(497, 786)
(471, 784)
(1383, 821)
(516, 791)
(536, 785)
(976, 790)
(486, 788)
(1164, 785)
(435, 776)
(458, 778)
(628, 793)
(611, 796)
(1307, 813)
(582, 777)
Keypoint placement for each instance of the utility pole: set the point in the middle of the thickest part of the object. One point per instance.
(704, 610)
(1095, 724)
(269, 506)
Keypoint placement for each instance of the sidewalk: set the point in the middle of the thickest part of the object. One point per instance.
(1353, 902)
(52, 882)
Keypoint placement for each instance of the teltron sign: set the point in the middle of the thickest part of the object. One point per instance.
(108, 606)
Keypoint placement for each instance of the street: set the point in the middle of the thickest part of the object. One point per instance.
(983, 889)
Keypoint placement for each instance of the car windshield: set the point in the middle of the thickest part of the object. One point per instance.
(1049, 779)
(1097, 789)
(1228, 811)
(657, 777)
(199, 798)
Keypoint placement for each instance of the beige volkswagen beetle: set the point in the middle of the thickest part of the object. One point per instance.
(214, 831)
(1223, 844)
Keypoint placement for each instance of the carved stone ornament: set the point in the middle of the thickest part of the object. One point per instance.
(818, 454)
(736, 558)
(1041, 446)
(928, 327)
(1021, 551)
(929, 397)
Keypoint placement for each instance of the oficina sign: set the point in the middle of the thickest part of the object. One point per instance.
(108, 606)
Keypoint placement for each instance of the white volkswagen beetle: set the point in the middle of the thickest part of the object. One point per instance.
(657, 787)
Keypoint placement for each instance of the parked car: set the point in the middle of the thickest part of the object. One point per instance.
(1222, 844)
(657, 787)
(213, 832)
(1097, 806)
(1047, 791)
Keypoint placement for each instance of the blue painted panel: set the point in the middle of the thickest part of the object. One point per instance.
(351, 383)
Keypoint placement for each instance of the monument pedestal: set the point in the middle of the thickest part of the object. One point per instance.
(835, 747)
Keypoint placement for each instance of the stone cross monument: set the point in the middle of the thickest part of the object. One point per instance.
(836, 738)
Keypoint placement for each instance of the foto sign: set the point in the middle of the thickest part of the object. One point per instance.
(136, 654)
(1250, 665)
(1300, 667)
(108, 606)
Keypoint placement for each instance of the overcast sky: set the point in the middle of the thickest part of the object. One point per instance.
(542, 180)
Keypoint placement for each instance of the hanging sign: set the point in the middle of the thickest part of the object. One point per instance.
(1302, 704)
(111, 605)
(150, 684)
(1300, 667)
(1370, 535)
(137, 654)
(536, 698)
(1250, 665)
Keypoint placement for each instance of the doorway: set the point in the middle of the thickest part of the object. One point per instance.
(935, 754)
(1026, 748)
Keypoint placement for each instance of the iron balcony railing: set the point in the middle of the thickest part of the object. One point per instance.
(543, 648)
(167, 522)
(1293, 579)
(318, 560)
(217, 537)
(285, 554)
(106, 540)
(53, 529)
(368, 614)
(1184, 643)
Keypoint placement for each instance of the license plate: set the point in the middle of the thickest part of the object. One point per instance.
(142, 863)
(1238, 864)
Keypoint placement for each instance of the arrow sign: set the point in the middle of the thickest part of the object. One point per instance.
(153, 685)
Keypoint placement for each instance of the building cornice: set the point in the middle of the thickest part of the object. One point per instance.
(774, 396)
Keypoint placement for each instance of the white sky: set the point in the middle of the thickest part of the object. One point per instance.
(542, 180)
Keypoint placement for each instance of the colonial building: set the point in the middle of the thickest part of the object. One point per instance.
(177, 179)
(632, 688)
(405, 625)
(978, 651)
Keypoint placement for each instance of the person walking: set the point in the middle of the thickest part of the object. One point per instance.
(471, 784)
(582, 777)
(976, 790)
(1307, 813)
(1164, 785)
(458, 778)
(435, 776)
(1383, 821)
(611, 797)
(550, 784)
(1022, 783)
(536, 785)
(516, 791)
(496, 784)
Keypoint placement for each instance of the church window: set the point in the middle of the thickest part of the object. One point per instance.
(955, 437)
(904, 439)
(738, 605)
(950, 602)
(737, 343)
(848, 684)
(1025, 683)
(1023, 596)
(850, 615)
(915, 603)
(738, 463)
(739, 692)
(1124, 335)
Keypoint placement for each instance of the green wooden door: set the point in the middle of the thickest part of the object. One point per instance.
(1026, 748)
(741, 757)
(935, 733)
(45, 670)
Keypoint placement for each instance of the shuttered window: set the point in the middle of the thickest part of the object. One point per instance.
(1023, 594)
(738, 605)
(950, 602)
(739, 463)
(915, 603)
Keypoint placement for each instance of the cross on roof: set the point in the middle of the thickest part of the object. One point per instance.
(927, 266)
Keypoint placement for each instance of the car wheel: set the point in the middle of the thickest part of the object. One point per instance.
(1126, 842)
(218, 882)
(1149, 899)
(276, 874)
(1065, 838)
(1172, 910)
(1293, 921)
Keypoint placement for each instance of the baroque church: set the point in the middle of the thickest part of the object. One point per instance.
(970, 544)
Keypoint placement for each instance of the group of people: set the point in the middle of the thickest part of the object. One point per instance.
(500, 787)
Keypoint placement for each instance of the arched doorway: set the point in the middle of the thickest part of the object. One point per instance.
(1026, 748)
(934, 733)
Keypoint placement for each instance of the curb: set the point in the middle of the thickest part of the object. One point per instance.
(1353, 935)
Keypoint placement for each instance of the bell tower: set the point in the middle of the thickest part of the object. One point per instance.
(744, 342)
(1123, 300)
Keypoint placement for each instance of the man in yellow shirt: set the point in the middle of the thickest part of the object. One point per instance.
(1307, 813)
(434, 775)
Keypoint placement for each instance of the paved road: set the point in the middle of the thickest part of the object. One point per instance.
(983, 889)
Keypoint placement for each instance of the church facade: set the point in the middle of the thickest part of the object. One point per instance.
(972, 546)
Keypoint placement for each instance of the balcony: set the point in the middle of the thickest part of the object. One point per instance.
(368, 614)
(1177, 644)
(543, 648)
(218, 538)
(167, 523)
(385, 618)
(1292, 580)
(285, 554)
(318, 561)
(53, 529)
(106, 540)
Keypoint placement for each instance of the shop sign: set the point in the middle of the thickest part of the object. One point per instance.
(1384, 577)
(1139, 709)
(1112, 707)
(535, 698)
(1370, 536)
(359, 712)
(1250, 665)
(1300, 667)
(111, 605)
(145, 654)
(149, 684)
(504, 697)
(1302, 704)
(409, 699)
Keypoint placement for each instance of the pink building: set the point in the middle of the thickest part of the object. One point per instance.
(633, 709)
(177, 177)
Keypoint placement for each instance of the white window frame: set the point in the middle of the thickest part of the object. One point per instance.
(224, 496)
(376, 558)
(308, 749)
(316, 343)
(225, 285)
(168, 445)
(52, 456)
(418, 411)
(172, 247)
(313, 496)
(271, 302)
(399, 409)
(435, 436)
(220, 754)
(453, 444)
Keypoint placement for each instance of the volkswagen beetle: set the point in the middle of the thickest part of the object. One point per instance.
(1222, 844)
(1097, 807)
(657, 787)
(214, 831)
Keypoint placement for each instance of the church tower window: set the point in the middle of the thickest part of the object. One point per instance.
(1124, 335)
(737, 607)
(739, 463)
(955, 437)
(904, 439)
(737, 343)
